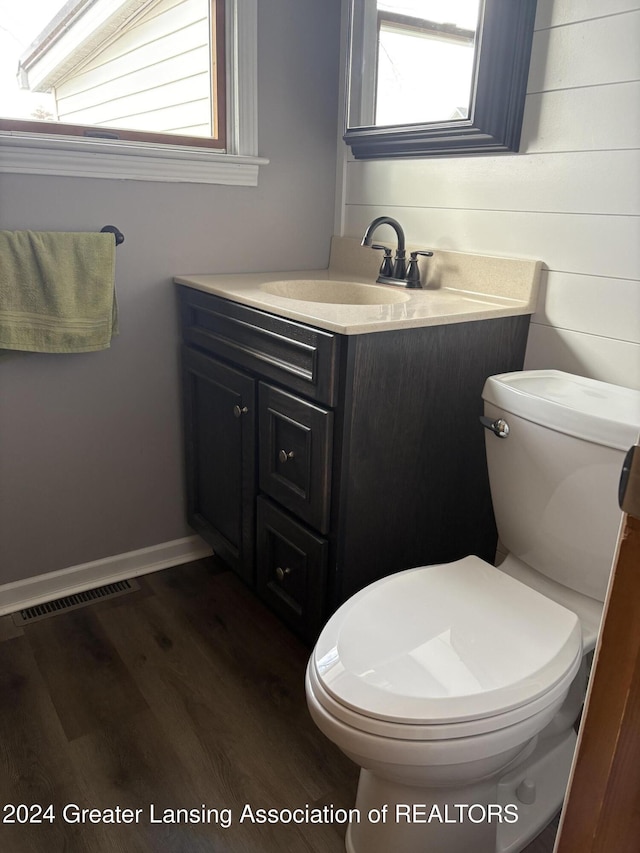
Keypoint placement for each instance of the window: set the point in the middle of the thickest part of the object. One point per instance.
(129, 69)
(147, 80)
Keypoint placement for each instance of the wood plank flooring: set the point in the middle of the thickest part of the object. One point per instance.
(186, 693)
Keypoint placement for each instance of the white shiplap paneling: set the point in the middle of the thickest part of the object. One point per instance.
(608, 307)
(571, 198)
(586, 355)
(561, 12)
(588, 53)
(449, 182)
(591, 118)
(606, 246)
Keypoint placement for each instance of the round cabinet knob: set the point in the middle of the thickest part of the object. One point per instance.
(282, 573)
(284, 455)
(239, 411)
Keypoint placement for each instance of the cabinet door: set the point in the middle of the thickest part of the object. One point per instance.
(295, 454)
(291, 569)
(219, 421)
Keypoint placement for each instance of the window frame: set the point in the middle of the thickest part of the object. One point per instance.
(34, 150)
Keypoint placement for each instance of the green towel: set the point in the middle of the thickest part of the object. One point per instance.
(57, 291)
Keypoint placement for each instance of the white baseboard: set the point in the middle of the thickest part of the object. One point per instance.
(18, 595)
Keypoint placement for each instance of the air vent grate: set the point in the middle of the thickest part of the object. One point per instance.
(73, 602)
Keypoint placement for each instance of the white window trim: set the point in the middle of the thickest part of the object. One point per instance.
(52, 154)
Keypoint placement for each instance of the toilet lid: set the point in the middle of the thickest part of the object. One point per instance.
(445, 643)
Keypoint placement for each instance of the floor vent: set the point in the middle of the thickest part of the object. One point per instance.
(73, 602)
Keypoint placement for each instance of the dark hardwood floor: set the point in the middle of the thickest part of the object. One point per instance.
(187, 693)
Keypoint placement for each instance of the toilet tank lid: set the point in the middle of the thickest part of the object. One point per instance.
(576, 405)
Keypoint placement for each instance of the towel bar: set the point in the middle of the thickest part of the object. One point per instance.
(111, 229)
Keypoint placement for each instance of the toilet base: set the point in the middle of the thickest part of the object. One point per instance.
(548, 768)
(479, 817)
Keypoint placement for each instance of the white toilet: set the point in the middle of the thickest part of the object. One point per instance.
(456, 687)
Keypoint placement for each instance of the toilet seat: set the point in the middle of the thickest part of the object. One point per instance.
(444, 651)
(440, 731)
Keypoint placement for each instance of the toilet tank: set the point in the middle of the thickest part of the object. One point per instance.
(554, 478)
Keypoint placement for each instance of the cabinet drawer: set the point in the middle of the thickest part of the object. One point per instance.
(295, 454)
(300, 357)
(291, 569)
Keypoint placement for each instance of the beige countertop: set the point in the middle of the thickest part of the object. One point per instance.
(458, 287)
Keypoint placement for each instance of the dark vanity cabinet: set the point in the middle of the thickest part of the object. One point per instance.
(319, 462)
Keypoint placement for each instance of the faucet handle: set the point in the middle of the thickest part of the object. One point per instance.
(386, 268)
(413, 273)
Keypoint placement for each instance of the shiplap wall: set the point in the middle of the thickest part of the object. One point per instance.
(153, 76)
(570, 198)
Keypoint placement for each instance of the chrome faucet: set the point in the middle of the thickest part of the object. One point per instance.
(394, 272)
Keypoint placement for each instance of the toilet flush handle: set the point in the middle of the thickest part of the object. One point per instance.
(499, 427)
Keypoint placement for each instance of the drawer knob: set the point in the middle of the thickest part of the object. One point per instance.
(239, 411)
(282, 573)
(284, 456)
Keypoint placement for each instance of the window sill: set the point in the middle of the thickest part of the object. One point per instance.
(37, 154)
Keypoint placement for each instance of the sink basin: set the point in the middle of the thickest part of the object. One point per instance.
(334, 292)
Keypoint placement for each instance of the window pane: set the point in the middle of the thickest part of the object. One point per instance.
(421, 77)
(426, 53)
(137, 65)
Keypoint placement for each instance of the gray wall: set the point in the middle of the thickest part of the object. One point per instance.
(90, 446)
